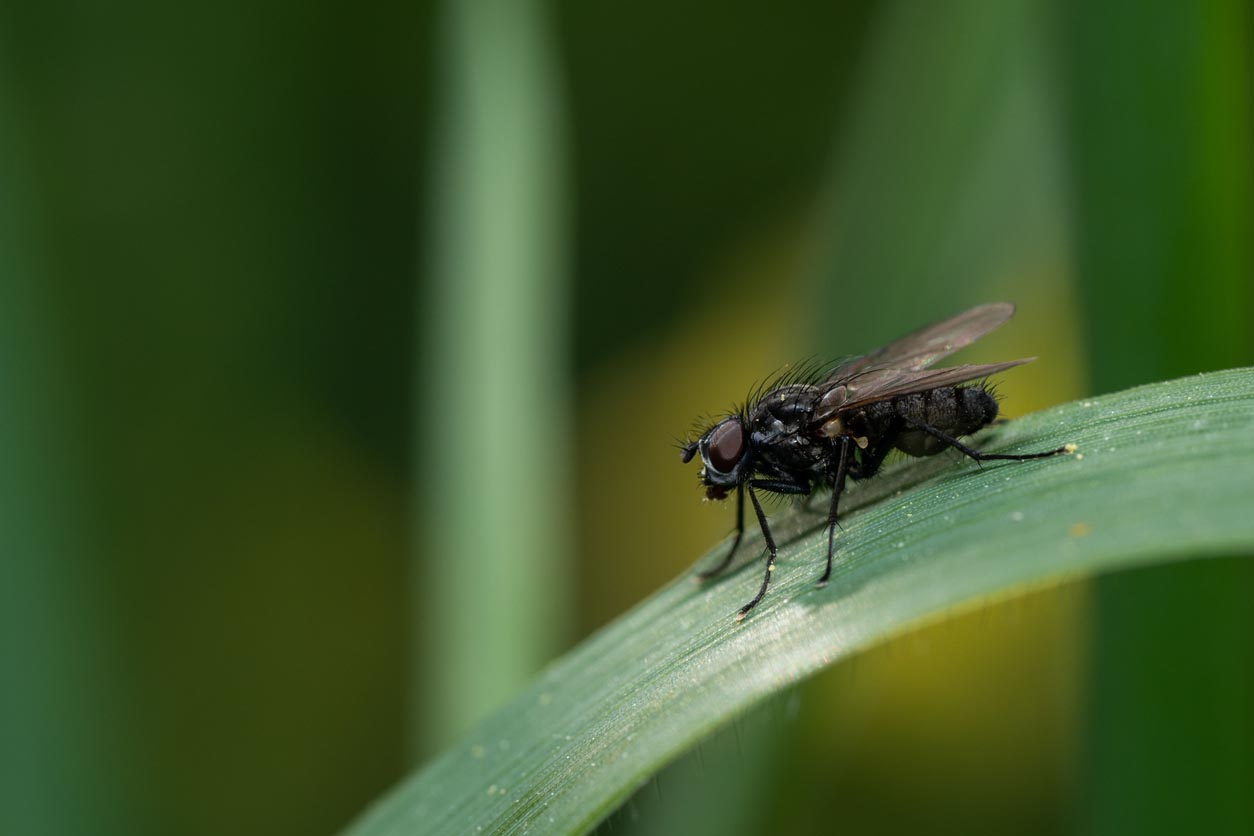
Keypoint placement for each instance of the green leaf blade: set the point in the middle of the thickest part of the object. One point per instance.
(1161, 472)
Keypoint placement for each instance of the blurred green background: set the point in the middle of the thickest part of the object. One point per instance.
(342, 348)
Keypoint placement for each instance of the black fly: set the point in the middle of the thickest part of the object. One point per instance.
(815, 430)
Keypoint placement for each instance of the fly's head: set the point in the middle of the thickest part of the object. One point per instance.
(724, 451)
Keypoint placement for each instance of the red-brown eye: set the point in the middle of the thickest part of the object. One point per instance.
(726, 445)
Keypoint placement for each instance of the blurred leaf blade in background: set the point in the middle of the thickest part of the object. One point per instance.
(948, 187)
(1160, 138)
(54, 641)
(210, 319)
(491, 580)
(1161, 143)
(948, 184)
(1146, 486)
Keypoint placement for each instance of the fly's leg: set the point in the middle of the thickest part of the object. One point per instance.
(770, 560)
(740, 533)
(871, 459)
(781, 486)
(774, 487)
(838, 485)
(971, 452)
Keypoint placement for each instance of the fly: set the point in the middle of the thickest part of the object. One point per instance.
(818, 430)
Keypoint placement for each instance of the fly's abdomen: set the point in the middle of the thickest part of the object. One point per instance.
(954, 410)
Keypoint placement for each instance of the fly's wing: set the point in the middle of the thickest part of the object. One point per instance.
(924, 347)
(873, 385)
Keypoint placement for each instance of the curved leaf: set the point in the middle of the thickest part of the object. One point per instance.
(1161, 472)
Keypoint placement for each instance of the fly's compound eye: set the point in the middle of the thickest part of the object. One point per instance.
(725, 446)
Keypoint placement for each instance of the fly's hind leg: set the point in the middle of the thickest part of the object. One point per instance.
(971, 452)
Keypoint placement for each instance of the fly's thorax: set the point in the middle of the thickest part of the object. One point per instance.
(788, 406)
(794, 451)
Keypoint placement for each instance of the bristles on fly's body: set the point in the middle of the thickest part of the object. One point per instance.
(808, 372)
(699, 426)
(687, 444)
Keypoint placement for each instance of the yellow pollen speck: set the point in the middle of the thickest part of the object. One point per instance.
(1080, 530)
(1070, 448)
(1079, 456)
(771, 568)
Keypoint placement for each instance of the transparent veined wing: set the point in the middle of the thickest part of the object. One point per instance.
(922, 348)
(874, 385)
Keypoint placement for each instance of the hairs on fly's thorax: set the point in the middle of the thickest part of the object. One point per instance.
(700, 425)
(807, 372)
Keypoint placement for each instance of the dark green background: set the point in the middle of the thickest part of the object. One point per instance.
(228, 233)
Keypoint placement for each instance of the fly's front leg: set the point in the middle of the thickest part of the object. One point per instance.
(971, 452)
(740, 533)
(775, 486)
(781, 486)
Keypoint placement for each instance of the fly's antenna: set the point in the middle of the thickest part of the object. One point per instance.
(686, 446)
(687, 449)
